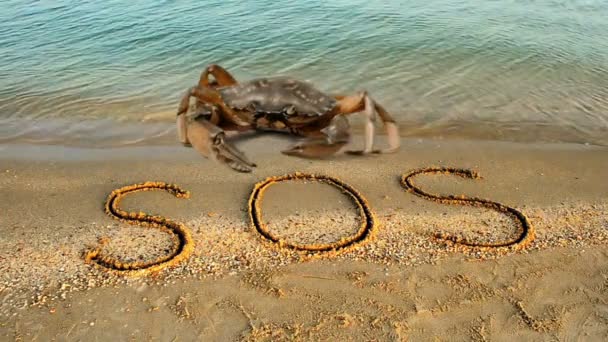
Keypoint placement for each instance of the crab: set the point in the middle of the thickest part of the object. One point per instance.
(279, 104)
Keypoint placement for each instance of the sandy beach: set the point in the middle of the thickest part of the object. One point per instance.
(401, 284)
(509, 244)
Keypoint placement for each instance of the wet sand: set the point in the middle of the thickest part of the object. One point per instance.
(401, 284)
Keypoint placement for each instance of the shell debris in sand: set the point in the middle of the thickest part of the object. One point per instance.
(366, 229)
(527, 231)
(182, 245)
(36, 274)
(38, 269)
(316, 226)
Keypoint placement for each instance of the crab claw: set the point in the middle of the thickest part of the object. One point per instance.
(209, 140)
(230, 155)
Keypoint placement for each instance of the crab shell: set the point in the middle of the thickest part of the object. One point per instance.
(281, 96)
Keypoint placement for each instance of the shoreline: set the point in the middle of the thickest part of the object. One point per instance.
(53, 203)
(158, 129)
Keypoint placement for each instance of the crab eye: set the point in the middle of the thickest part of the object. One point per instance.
(290, 110)
(218, 139)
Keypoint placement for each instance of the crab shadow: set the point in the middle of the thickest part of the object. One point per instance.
(245, 137)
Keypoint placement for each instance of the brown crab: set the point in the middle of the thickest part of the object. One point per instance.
(275, 104)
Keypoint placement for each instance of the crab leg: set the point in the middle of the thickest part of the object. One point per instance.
(322, 143)
(362, 102)
(392, 131)
(210, 96)
(222, 77)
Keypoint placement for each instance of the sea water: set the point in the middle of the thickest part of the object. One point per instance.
(111, 73)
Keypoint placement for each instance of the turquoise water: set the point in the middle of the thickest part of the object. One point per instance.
(112, 72)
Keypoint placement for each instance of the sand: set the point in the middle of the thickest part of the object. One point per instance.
(399, 285)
